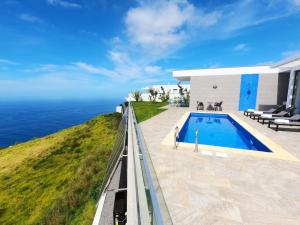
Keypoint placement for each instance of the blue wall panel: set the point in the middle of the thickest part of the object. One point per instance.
(248, 91)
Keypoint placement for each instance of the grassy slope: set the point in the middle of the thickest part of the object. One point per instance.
(146, 110)
(55, 179)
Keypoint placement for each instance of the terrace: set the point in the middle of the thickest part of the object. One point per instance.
(216, 187)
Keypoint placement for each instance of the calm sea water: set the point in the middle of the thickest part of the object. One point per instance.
(23, 120)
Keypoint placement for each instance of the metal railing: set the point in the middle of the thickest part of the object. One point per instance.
(156, 206)
(117, 150)
(145, 201)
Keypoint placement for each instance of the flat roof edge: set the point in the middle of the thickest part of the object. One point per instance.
(226, 67)
(287, 61)
(224, 71)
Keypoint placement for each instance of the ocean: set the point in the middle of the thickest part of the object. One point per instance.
(21, 121)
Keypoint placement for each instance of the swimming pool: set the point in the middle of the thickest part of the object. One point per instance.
(219, 130)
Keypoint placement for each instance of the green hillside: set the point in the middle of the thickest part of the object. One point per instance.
(56, 179)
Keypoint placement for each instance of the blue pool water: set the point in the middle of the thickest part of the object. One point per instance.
(23, 120)
(219, 130)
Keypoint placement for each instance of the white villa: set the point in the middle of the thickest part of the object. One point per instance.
(241, 88)
(172, 89)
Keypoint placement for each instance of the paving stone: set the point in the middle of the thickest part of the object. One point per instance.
(236, 190)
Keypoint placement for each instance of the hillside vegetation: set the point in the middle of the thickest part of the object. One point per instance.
(146, 110)
(56, 179)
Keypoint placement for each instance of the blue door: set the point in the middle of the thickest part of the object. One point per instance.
(248, 91)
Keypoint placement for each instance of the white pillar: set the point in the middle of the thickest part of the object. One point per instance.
(291, 89)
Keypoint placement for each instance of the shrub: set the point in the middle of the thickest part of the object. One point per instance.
(137, 96)
(153, 94)
(164, 96)
(185, 94)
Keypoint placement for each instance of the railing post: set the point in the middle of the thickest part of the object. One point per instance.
(196, 140)
(175, 137)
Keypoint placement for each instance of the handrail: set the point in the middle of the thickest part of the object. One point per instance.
(196, 140)
(145, 201)
(157, 206)
(132, 192)
(137, 207)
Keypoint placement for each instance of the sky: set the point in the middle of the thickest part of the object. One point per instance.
(78, 49)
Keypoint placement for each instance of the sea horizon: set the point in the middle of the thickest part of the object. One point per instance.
(24, 120)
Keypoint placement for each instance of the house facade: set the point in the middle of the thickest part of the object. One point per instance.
(241, 88)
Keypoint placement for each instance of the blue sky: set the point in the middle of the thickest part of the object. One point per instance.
(106, 48)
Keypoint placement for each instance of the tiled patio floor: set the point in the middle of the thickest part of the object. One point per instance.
(235, 190)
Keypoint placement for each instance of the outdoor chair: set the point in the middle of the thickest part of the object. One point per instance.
(274, 110)
(292, 121)
(218, 106)
(280, 115)
(200, 105)
(210, 107)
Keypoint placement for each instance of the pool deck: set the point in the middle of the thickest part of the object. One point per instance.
(209, 188)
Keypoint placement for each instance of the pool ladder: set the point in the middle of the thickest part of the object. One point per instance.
(196, 140)
(176, 138)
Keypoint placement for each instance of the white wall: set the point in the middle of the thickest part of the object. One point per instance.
(228, 91)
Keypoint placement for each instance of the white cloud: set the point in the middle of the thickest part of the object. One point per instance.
(76, 67)
(89, 33)
(96, 70)
(65, 4)
(241, 47)
(88, 68)
(290, 54)
(125, 66)
(46, 68)
(149, 81)
(60, 80)
(151, 38)
(116, 41)
(153, 69)
(156, 29)
(7, 62)
(162, 24)
(145, 29)
(30, 18)
(60, 84)
(124, 69)
(296, 2)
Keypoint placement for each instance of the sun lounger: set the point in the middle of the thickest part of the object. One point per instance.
(254, 114)
(248, 111)
(292, 121)
(279, 115)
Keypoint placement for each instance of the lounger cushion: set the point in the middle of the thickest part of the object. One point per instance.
(296, 117)
(258, 112)
(250, 110)
(266, 116)
(283, 121)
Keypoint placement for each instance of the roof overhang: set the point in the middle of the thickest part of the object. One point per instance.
(185, 75)
(288, 65)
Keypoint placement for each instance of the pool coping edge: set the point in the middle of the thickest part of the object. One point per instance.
(278, 152)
